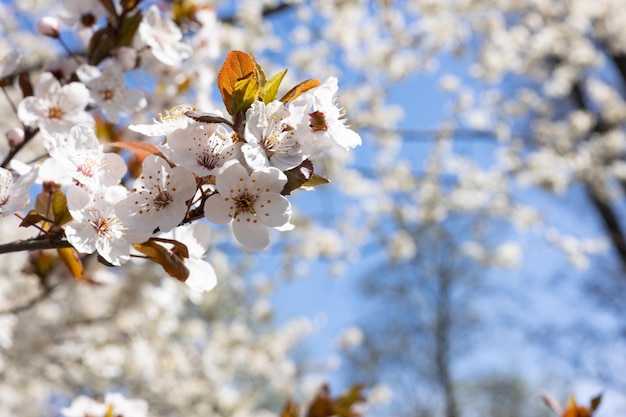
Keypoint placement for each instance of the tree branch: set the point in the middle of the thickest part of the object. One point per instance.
(33, 244)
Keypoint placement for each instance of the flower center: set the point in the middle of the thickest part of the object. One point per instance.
(106, 94)
(244, 203)
(86, 170)
(4, 199)
(102, 226)
(88, 20)
(317, 121)
(55, 112)
(162, 199)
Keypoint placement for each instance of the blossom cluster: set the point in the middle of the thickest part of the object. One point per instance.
(206, 167)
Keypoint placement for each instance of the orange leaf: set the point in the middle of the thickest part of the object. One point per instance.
(295, 92)
(237, 66)
(171, 262)
(140, 149)
(70, 258)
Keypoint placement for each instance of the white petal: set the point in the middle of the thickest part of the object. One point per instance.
(253, 236)
(232, 180)
(273, 209)
(201, 275)
(269, 180)
(217, 210)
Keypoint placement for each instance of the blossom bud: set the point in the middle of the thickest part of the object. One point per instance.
(126, 57)
(15, 137)
(49, 26)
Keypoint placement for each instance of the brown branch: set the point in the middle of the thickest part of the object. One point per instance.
(33, 244)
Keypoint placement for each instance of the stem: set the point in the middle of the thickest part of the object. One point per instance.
(33, 244)
(28, 135)
(4, 90)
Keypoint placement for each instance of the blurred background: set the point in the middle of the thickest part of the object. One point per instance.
(468, 255)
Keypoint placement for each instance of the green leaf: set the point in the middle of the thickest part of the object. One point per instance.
(129, 27)
(245, 93)
(61, 214)
(270, 92)
(101, 44)
(315, 180)
(260, 74)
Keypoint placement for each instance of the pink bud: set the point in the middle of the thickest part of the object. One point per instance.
(126, 57)
(15, 137)
(49, 26)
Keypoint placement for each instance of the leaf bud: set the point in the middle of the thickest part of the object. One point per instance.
(15, 137)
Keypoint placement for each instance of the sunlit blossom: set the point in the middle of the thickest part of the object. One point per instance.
(55, 108)
(14, 194)
(252, 202)
(202, 147)
(108, 90)
(78, 157)
(163, 37)
(96, 227)
(159, 197)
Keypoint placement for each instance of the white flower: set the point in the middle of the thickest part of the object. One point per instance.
(83, 15)
(9, 63)
(202, 147)
(270, 141)
(78, 156)
(14, 195)
(163, 37)
(109, 92)
(55, 108)
(196, 237)
(114, 405)
(159, 196)
(167, 123)
(251, 201)
(317, 118)
(96, 226)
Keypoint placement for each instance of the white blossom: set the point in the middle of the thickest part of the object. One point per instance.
(108, 90)
(167, 122)
(96, 227)
(270, 141)
(55, 108)
(196, 237)
(9, 63)
(318, 119)
(78, 157)
(202, 147)
(14, 194)
(163, 37)
(252, 202)
(159, 197)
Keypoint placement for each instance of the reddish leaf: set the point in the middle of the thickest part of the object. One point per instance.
(171, 262)
(237, 66)
(140, 149)
(295, 92)
(321, 405)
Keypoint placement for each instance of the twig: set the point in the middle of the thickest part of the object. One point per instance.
(33, 244)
